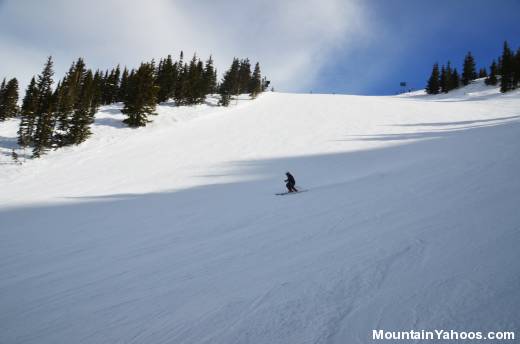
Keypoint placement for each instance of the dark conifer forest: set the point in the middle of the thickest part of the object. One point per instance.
(58, 114)
(506, 73)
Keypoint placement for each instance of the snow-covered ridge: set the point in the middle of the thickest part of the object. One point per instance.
(172, 233)
(476, 90)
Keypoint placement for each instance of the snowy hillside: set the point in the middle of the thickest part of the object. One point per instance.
(172, 233)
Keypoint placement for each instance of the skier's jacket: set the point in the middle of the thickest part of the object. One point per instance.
(290, 179)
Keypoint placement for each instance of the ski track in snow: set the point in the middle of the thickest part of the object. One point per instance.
(172, 233)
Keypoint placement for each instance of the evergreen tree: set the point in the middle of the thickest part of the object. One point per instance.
(9, 100)
(194, 82)
(180, 84)
(516, 72)
(67, 97)
(443, 80)
(244, 76)
(482, 73)
(98, 88)
(225, 96)
(84, 110)
(499, 66)
(507, 72)
(43, 135)
(210, 77)
(255, 87)
(142, 96)
(2, 91)
(493, 71)
(104, 87)
(121, 94)
(449, 75)
(454, 80)
(433, 85)
(61, 118)
(230, 84)
(28, 115)
(181, 87)
(200, 83)
(111, 86)
(469, 72)
(166, 78)
(234, 77)
(225, 89)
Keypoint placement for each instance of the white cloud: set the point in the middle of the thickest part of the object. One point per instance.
(292, 39)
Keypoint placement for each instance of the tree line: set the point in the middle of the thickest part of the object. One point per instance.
(61, 116)
(505, 72)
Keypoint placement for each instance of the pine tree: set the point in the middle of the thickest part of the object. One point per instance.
(111, 86)
(225, 89)
(255, 87)
(200, 84)
(181, 87)
(469, 72)
(67, 97)
(2, 91)
(121, 94)
(225, 96)
(98, 87)
(244, 76)
(104, 87)
(84, 111)
(507, 72)
(194, 82)
(9, 100)
(454, 79)
(28, 115)
(210, 77)
(230, 83)
(142, 96)
(179, 93)
(516, 73)
(482, 73)
(166, 78)
(234, 77)
(43, 135)
(443, 80)
(116, 80)
(493, 71)
(449, 75)
(433, 85)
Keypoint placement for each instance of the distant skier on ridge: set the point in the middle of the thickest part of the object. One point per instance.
(290, 183)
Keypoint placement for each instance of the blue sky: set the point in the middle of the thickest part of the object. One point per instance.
(333, 46)
(418, 34)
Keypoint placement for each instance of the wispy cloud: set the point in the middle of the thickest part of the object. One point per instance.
(293, 39)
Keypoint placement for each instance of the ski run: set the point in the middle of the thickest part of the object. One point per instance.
(172, 233)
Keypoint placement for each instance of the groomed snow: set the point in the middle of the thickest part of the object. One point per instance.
(172, 233)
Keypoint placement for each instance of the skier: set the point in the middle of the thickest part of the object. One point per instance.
(290, 183)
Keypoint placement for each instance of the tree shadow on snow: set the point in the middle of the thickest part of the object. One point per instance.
(439, 124)
(8, 142)
(110, 122)
(437, 133)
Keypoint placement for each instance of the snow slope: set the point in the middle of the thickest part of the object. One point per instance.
(172, 233)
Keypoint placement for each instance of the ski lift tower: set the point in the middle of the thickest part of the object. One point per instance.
(403, 86)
